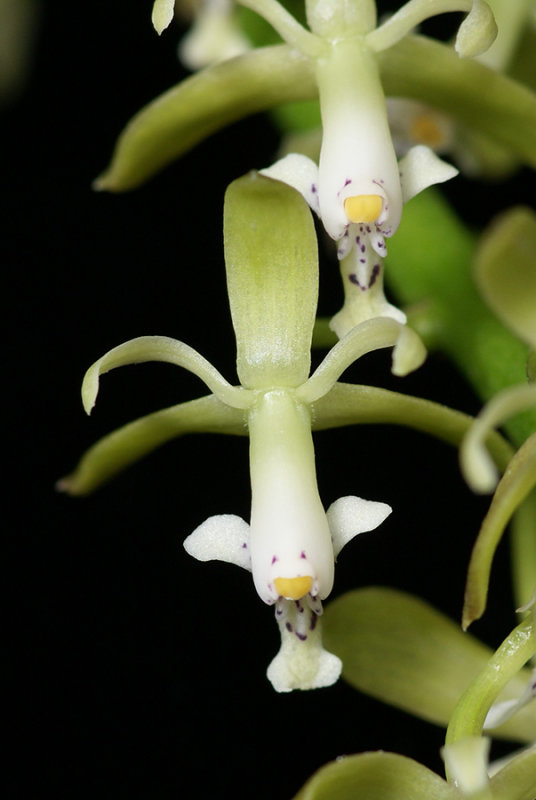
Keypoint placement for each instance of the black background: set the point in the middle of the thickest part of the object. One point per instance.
(134, 671)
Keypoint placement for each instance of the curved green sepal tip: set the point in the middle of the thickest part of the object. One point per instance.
(399, 649)
(200, 105)
(272, 280)
(505, 270)
(382, 776)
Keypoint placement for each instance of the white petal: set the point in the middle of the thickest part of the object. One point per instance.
(349, 516)
(224, 537)
(421, 168)
(300, 172)
(162, 14)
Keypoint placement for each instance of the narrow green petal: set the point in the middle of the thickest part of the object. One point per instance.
(272, 280)
(478, 470)
(350, 404)
(160, 348)
(373, 334)
(127, 445)
(470, 92)
(376, 776)
(200, 105)
(399, 649)
(514, 486)
(505, 270)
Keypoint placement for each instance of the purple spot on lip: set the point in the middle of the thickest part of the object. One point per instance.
(354, 280)
(369, 229)
(301, 636)
(313, 188)
(358, 239)
(374, 275)
(274, 559)
(362, 260)
(314, 619)
(347, 181)
(362, 248)
(302, 554)
(245, 546)
(288, 626)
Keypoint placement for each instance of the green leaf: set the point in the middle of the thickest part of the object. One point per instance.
(376, 776)
(127, 445)
(505, 270)
(399, 649)
(200, 105)
(272, 280)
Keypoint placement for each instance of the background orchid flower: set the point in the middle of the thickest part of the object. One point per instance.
(361, 246)
(473, 95)
(291, 543)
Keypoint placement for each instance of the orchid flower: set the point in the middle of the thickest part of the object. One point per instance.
(361, 223)
(290, 543)
(358, 188)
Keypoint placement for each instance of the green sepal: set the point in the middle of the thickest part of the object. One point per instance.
(382, 776)
(272, 280)
(128, 444)
(471, 93)
(399, 649)
(516, 483)
(351, 404)
(200, 105)
(505, 270)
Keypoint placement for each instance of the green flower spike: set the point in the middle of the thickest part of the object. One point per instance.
(291, 543)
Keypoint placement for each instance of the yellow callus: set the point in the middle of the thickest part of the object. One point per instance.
(363, 207)
(425, 130)
(293, 588)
